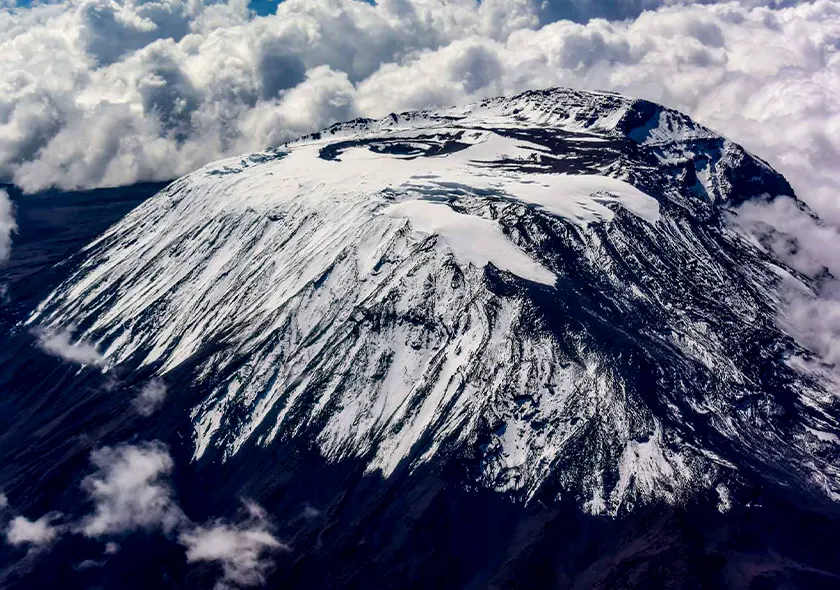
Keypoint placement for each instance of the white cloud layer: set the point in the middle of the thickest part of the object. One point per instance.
(150, 398)
(130, 491)
(61, 344)
(100, 92)
(103, 93)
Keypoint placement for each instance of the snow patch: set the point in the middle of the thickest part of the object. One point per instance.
(472, 239)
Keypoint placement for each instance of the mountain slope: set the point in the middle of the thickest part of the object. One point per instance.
(543, 287)
(510, 345)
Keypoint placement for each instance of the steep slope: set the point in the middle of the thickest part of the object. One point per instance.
(541, 288)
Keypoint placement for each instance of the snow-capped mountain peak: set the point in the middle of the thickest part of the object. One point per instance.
(541, 287)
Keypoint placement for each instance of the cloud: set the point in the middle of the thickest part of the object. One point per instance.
(7, 225)
(105, 93)
(60, 344)
(241, 548)
(130, 491)
(150, 398)
(38, 533)
(310, 512)
(809, 245)
(4, 501)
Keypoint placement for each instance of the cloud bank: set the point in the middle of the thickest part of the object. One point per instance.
(103, 93)
(99, 92)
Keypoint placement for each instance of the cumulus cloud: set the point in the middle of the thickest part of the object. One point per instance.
(188, 82)
(7, 225)
(37, 533)
(242, 549)
(130, 491)
(61, 344)
(150, 398)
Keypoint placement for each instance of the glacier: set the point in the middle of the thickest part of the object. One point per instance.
(543, 287)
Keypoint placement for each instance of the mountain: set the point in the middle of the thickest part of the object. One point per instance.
(512, 344)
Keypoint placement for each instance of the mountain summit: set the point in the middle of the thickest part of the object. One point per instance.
(542, 286)
(530, 310)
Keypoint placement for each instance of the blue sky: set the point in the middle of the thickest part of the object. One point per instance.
(263, 7)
